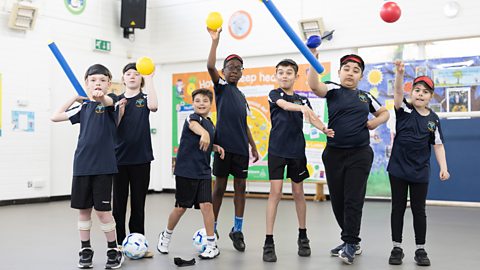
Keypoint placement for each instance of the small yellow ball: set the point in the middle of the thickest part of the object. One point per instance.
(145, 66)
(214, 20)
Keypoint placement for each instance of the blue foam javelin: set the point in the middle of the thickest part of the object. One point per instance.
(66, 68)
(291, 34)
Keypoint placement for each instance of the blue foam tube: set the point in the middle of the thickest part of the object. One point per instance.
(66, 68)
(291, 34)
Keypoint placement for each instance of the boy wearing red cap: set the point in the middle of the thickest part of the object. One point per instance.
(417, 128)
(232, 134)
(348, 156)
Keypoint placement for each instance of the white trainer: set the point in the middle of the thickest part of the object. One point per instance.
(163, 242)
(210, 252)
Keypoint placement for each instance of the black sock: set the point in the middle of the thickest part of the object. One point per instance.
(302, 233)
(112, 244)
(86, 244)
(269, 239)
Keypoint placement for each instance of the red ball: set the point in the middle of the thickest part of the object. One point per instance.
(390, 12)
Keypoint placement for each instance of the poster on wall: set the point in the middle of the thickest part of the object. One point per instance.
(457, 89)
(255, 83)
(23, 121)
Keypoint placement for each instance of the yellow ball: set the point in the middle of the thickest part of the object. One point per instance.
(214, 20)
(145, 65)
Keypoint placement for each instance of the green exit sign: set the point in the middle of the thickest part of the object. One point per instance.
(103, 45)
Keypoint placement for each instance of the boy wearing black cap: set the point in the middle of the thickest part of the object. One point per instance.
(133, 150)
(348, 156)
(286, 148)
(94, 162)
(232, 134)
(417, 128)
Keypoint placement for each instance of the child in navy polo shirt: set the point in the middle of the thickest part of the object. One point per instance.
(232, 134)
(348, 156)
(134, 151)
(94, 162)
(193, 175)
(286, 148)
(417, 128)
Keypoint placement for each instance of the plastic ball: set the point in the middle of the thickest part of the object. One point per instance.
(314, 41)
(145, 66)
(214, 20)
(390, 12)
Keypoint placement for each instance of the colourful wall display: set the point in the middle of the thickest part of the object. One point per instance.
(256, 83)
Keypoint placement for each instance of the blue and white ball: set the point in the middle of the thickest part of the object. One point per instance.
(135, 245)
(200, 240)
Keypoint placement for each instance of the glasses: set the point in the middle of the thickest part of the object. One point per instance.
(234, 68)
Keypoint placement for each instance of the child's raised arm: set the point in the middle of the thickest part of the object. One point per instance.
(398, 91)
(212, 56)
(319, 88)
(61, 115)
(149, 89)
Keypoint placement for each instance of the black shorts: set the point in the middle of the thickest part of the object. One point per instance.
(296, 168)
(192, 192)
(234, 164)
(92, 191)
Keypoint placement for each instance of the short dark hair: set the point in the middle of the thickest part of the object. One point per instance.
(288, 63)
(230, 58)
(426, 81)
(352, 58)
(134, 67)
(98, 69)
(203, 91)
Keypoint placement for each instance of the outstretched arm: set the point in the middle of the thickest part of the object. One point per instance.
(60, 114)
(212, 56)
(398, 92)
(319, 88)
(439, 150)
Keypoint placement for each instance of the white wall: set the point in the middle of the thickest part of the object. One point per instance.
(177, 40)
(31, 73)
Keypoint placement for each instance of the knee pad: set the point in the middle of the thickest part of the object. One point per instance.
(84, 225)
(108, 227)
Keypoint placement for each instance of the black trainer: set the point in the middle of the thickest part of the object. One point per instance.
(86, 258)
(396, 256)
(237, 239)
(304, 247)
(269, 253)
(421, 257)
(114, 258)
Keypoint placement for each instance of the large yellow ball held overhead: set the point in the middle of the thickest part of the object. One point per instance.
(214, 21)
(145, 66)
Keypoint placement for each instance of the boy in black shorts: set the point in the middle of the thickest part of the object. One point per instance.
(232, 134)
(94, 162)
(287, 149)
(193, 175)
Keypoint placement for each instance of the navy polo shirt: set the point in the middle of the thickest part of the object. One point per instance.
(191, 161)
(348, 112)
(415, 133)
(232, 107)
(286, 136)
(95, 153)
(134, 143)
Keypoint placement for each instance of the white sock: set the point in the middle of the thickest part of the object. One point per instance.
(211, 241)
(397, 244)
(420, 246)
(168, 233)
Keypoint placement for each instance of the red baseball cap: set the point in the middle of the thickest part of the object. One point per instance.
(426, 80)
(352, 58)
(231, 57)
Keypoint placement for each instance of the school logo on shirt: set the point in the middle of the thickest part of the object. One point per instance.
(139, 103)
(362, 97)
(100, 108)
(431, 126)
